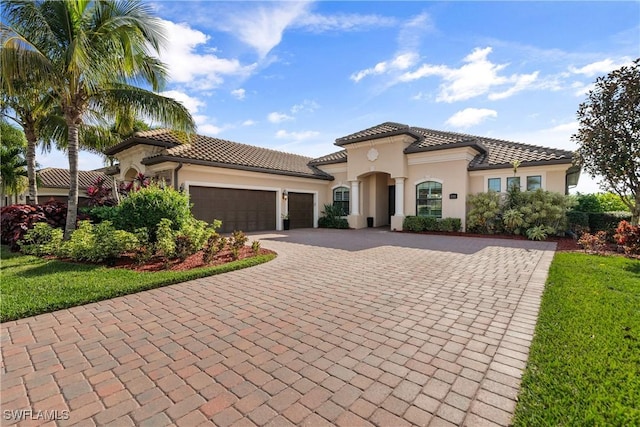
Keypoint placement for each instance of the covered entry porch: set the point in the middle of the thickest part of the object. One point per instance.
(379, 197)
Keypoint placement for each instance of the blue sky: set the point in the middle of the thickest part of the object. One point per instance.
(294, 76)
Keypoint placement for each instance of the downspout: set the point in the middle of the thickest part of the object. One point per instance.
(175, 176)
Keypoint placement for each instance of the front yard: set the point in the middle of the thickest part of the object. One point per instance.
(584, 364)
(32, 285)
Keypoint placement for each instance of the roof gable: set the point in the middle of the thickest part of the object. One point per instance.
(492, 153)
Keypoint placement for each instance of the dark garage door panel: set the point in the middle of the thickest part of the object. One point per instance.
(301, 210)
(246, 210)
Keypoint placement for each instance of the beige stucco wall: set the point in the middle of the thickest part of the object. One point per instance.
(553, 177)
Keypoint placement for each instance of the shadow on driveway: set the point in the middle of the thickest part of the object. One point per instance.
(369, 238)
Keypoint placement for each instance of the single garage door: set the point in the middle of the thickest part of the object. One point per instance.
(245, 210)
(300, 210)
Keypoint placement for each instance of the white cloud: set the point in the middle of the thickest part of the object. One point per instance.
(276, 117)
(470, 117)
(478, 76)
(196, 70)
(249, 122)
(209, 129)
(600, 67)
(192, 104)
(305, 106)
(296, 136)
(238, 93)
(342, 22)
(262, 26)
(400, 62)
(581, 89)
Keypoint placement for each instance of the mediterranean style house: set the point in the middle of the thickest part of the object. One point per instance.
(383, 173)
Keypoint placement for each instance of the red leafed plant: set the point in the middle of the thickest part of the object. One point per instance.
(16, 220)
(100, 194)
(596, 243)
(628, 236)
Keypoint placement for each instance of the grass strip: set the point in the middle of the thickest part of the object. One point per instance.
(584, 363)
(30, 285)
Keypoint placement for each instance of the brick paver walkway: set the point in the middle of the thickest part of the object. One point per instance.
(344, 328)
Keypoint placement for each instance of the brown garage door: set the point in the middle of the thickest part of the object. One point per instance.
(301, 210)
(246, 210)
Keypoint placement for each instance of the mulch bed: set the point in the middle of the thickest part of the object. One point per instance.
(193, 261)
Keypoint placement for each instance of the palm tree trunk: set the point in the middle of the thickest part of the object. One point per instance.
(72, 204)
(32, 142)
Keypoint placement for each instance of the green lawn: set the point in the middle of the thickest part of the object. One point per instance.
(584, 366)
(31, 285)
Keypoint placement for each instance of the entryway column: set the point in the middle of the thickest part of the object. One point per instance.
(399, 197)
(355, 197)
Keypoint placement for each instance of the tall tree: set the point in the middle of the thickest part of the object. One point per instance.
(608, 135)
(90, 53)
(13, 165)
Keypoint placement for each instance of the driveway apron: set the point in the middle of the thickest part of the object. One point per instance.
(344, 327)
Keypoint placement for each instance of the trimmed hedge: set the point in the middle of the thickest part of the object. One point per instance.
(426, 223)
(607, 221)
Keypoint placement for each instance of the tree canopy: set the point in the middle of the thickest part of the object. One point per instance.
(90, 54)
(608, 135)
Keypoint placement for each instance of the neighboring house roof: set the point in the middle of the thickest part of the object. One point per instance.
(60, 178)
(492, 153)
(208, 151)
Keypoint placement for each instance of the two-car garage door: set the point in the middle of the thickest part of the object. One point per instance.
(248, 210)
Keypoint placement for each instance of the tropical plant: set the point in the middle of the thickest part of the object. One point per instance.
(41, 240)
(332, 217)
(13, 172)
(88, 53)
(628, 236)
(608, 134)
(484, 212)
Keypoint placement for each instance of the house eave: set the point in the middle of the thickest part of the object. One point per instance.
(161, 159)
(522, 165)
(404, 131)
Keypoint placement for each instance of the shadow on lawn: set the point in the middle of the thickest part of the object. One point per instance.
(55, 266)
(633, 267)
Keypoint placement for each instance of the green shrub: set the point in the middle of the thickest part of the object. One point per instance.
(451, 225)
(98, 214)
(255, 247)
(484, 213)
(412, 223)
(610, 202)
(587, 203)
(578, 221)
(146, 207)
(41, 240)
(539, 232)
(332, 217)
(165, 244)
(513, 220)
(193, 235)
(98, 243)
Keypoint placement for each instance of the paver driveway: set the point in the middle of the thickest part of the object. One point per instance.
(344, 328)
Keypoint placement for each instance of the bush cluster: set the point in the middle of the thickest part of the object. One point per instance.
(426, 223)
(332, 217)
(535, 214)
(151, 222)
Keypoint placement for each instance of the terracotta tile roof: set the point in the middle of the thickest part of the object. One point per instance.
(60, 178)
(492, 153)
(337, 157)
(379, 131)
(219, 152)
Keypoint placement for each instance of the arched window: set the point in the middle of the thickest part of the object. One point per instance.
(429, 199)
(341, 199)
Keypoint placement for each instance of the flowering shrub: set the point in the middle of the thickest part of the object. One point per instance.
(596, 243)
(628, 236)
(100, 193)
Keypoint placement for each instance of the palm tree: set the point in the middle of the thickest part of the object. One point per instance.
(12, 163)
(90, 54)
(27, 106)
